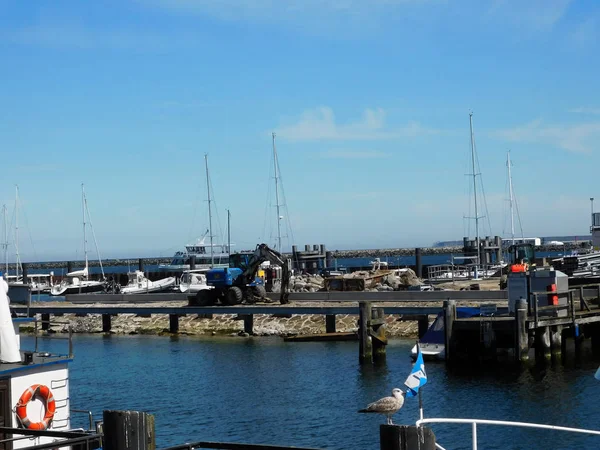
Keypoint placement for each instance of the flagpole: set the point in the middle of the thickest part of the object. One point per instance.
(420, 397)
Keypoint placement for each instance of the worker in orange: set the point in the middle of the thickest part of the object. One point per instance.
(521, 266)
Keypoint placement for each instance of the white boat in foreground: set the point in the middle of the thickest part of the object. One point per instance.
(139, 284)
(35, 385)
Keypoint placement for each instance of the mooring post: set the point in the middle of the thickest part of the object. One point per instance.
(365, 347)
(556, 340)
(406, 437)
(542, 343)
(193, 262)
(418, 263)
(174, 323)
(330, 323)
(69, 266)
(141, 264)
(423, 325)
(594, 330)
(45, 321)
(522, 336)
(378, 336)
(128, 430)
(106, 323)
(449, 316)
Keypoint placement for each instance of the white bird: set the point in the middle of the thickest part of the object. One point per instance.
(387, 406)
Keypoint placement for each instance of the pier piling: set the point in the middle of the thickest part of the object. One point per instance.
(24, 268)
(542, 343)
(69, 266)
(174, 323)
(330, 323)
(449, 316)
(45, 322)
(522, 347)
(418, 263)
(128, 430)
(378, 336)
(141, 265)
(106, 323)
(404, 437)
(556, 340)
(365, 349)
(193, 262)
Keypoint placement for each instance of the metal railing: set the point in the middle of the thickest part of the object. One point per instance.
(475, 422)
(37, 333)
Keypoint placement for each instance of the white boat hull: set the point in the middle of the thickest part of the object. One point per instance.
(430, 352)
(84, 287)
(149, 286)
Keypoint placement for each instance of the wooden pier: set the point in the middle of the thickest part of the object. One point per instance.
(544, 329)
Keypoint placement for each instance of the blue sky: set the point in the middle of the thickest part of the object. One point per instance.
(369, 100)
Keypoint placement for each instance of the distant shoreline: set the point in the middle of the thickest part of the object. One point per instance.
(372, 253)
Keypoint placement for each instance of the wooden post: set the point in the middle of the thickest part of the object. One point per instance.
(556, 340)
(24, 268)
(140, 264)
(45, 322)
(365, 348)
(423, 325)
(249, 324)
(106, 323)
(174, 323)
(378, 336)
(128, 430)
(69, 266)
(418, 264)
(406, 437)
(594, 330)
(449, 316)
(330, 323)
(522, 336)
(542, 343)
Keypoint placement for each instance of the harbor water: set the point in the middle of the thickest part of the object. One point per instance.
(264, 390)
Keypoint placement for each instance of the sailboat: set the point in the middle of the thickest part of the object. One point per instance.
(77, 282)
(207, 256)
(19, 290)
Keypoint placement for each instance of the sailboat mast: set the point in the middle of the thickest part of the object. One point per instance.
(18, 257)
(83, 216)
(277, 194)
(212, 254)
(86, 210)
(5, 243)
(474, 187)
(511, 199)
(229, 232)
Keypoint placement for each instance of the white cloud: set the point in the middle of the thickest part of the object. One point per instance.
(579, 138)
(353, 154)
(320, 124)
(584, 110)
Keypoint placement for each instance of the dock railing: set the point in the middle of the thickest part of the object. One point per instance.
(475, 422)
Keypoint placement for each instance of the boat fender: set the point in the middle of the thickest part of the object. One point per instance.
(40, 391)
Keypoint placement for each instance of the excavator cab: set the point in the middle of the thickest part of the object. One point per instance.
(521, 257)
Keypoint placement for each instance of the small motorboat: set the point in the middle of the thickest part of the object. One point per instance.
(139, 284)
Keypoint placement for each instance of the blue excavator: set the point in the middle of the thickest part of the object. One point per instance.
(240, 283)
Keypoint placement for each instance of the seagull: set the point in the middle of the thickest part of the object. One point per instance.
(387, 405)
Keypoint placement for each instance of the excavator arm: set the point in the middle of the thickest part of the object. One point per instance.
(264, 253)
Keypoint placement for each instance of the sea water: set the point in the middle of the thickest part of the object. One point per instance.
(264, 390)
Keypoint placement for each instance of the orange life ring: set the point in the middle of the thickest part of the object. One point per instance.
(36, 390)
